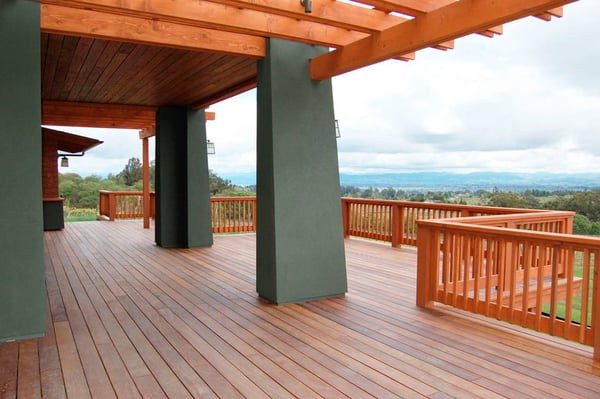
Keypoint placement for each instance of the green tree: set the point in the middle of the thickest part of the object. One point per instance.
(582, 225)
(368, 193)
(388, 193)
(350, 191)
(506, 199)
(218, 185)
(585, 203)
(417, 197)
(132, 173)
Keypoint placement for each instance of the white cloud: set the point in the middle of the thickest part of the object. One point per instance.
(119, 145)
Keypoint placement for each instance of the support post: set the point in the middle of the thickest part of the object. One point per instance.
(183, 217)
(300, 245)
(428, 260)
(22, 284)
(397, 225)
(146, 182)
(346, 217)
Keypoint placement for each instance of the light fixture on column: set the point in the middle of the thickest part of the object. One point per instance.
(64, 161)
(337, 130)
(307, 5)
(210, 147)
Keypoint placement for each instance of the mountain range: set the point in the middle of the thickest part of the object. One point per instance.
(442, 181)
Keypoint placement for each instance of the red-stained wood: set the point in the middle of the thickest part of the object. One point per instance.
(99, 71)
(193, 54)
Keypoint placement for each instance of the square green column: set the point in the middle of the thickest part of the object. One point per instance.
(183, 218)
(22, 286)
(300, 245)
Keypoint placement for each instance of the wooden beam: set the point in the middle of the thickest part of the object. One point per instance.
(97, 24)
(147, 132)
(339, 14)
(491, 32)
(450, 22)
(406, 57)
(334, 13)
(407, 7)
(219, 17)
(449, 45)
(61, 113)
(547, 15)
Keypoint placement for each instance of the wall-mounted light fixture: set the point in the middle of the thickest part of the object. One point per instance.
(210, 147)
(307, 5)
(337, 130)
(64, 161)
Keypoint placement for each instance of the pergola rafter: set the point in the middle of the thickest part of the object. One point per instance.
(450, 22)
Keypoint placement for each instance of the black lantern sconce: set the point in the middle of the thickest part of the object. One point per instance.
(64, 161)
(210, 147)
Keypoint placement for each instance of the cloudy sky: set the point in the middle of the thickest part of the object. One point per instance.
(526, 101)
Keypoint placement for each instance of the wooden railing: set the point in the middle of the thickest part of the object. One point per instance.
(396, 221)
(233, 214)
(123, 205)
(229, 214)
(525, 269)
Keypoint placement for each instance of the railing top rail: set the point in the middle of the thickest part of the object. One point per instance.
(233, 198)
(436, 205)
(515, 217)
(513, 234)
(122, 192)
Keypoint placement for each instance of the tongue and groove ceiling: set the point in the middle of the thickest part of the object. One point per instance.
(111, 63)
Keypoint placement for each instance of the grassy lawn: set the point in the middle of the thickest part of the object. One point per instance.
(84, 218)
(576, 301)
(79, 214)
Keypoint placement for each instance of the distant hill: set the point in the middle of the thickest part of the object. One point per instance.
(440, 181)
(475, 181)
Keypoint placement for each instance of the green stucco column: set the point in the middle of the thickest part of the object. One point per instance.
(183, 218)
(22, 287)
(300, 246)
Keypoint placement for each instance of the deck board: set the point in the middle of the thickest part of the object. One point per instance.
(129, 319)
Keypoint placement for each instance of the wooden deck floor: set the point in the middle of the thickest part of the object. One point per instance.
(128, 319)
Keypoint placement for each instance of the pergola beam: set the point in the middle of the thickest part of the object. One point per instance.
(547, 16)
(219, 18)
(97, 24)
(334, 13)
(408, 7)
(455, 20)
(62, 113)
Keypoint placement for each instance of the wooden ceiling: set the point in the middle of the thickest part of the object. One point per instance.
(136, 78)
(112, 62)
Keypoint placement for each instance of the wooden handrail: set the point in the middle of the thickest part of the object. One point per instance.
(122, 204)
(396, 221)
(233, 214)
(229, 214)
(517, 268)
